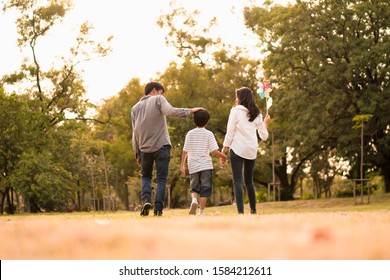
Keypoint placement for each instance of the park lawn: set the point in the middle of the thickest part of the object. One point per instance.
(311, 229)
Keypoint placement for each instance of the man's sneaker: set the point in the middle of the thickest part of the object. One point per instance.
(145, 209)
(193, 207)
(158, 212)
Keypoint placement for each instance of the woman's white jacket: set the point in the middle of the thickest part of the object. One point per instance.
(241, 135)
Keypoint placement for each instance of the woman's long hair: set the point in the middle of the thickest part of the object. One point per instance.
(247, 100)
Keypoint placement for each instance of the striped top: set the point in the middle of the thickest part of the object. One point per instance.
(199, 143)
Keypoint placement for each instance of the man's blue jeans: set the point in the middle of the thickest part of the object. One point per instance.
(161, 157)
(243, 168)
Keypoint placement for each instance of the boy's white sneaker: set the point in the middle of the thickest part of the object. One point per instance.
(193, 207)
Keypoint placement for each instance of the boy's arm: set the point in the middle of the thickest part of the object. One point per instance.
(222, 156)
(219, 154)
(183, 163)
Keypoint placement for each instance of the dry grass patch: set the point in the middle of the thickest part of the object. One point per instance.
(282, 230)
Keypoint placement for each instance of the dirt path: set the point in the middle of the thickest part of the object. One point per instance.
(337, 235)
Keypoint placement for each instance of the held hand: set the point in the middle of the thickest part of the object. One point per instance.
(267, 119)
(224, 158)
(224, 149)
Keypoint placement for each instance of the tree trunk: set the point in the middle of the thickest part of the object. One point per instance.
(10, 202)
(2, 203)
(286, 187)
(386, 176)
(127, 202)
(33, 206)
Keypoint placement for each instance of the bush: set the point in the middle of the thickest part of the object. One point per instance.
(307, 196)
(261, 196)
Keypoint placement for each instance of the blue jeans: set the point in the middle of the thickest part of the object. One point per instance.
(161, 157)
(243, 168)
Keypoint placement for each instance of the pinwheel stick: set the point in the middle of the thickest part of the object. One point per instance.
(264, 91)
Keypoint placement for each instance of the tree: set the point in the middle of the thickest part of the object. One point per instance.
(114, 130)
(186, 34)
(207, 75)
(59, 90)
(44, 182)
(329, 59)
(17, 124)
(44, 101)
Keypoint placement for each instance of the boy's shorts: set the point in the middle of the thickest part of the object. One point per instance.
(202, 183)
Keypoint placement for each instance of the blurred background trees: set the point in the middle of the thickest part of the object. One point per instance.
(331, 63)
(327, 62)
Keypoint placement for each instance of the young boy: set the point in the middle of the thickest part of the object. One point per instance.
(198, 145)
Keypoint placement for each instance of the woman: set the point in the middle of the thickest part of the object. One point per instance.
(244, 120)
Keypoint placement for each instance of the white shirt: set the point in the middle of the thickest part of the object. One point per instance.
(199, 143)
(241, 134)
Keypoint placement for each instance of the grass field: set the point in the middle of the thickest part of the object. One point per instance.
(295, 230)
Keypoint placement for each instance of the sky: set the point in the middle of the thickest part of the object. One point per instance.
(139, 48)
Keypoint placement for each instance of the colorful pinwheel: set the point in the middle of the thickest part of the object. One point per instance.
(263, 91)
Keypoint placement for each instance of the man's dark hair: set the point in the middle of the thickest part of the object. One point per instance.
(153, 85)
(201, 118)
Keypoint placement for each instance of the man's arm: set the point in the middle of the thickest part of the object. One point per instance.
(134, 140)
(168, 110)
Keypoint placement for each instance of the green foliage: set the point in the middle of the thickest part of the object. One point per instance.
(329, 61)
(41, 19)
(261, 196)
(361, 119)
(114, 129)
(20, 126)
(191, 83)
(42, 158)
(307, 196)
(60, 90)
(187, 35)
(43, 181)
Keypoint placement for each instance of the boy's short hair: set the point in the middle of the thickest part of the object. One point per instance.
(153, 85)
(201, 118)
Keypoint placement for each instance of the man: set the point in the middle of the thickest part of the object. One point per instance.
(151, 142)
